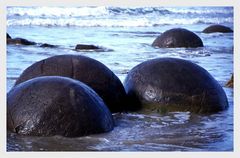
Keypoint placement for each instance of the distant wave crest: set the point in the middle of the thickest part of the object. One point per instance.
(111, 23)
(57, 11)
(102, 11)
(116, 16)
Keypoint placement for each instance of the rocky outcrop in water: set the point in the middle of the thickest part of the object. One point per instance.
(178, 37)
(53, 105)
(79, 47)
(22, 41)
(217, 28)
(170, 84)
(87, 70)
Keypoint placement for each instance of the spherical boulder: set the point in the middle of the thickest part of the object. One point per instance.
(178, 37)
(217, 28)
(170, 84)
(54, 105)
(87, 70)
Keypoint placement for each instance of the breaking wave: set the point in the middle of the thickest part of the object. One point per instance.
(116, 16)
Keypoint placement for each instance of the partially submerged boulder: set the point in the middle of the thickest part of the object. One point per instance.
(217, 28)
(54, 105)
(178, 37)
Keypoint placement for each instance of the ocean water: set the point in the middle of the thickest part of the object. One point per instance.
(126, 35)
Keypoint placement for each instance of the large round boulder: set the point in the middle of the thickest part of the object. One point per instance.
(217, 28)
(178, 37)
(87, 70)
(170, 84)
(54, 105)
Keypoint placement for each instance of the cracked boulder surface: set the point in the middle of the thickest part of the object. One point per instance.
(87, 70)
(54, 105)
(171, 84)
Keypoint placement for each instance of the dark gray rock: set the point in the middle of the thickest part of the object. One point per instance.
(177, 37)
(54, 105)
(19, 41)
(45, 45)
(8, 36)
(217, 28)
(91, 72)
(86, 47)
(169, 84)
(22, 41)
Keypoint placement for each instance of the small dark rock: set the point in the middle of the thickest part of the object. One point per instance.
(8, 36)
(230, 82)
(45, 45)
(86, 47)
